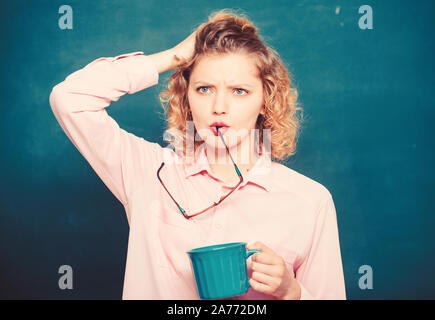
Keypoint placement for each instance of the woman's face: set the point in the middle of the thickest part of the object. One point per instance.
(225, 88)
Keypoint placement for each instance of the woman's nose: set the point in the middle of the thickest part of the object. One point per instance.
(220, 104)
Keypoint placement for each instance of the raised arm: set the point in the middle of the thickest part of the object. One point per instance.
(122, 160)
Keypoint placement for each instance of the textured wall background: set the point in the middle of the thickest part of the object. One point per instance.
(368, 100)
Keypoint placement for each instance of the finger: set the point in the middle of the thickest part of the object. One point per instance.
(260, 246)
(263, 278)
(271, 270)
(266, 258)
(260, 287)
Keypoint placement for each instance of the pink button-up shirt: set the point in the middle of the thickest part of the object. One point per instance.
(287, 211)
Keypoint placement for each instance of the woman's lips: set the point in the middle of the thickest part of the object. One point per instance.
(222, 130)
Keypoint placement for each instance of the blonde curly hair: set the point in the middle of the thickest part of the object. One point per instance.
(229, 32)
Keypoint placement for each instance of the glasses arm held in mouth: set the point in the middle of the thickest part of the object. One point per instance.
(235, 166)
(215, 203)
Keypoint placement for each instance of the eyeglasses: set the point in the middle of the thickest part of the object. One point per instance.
(183, 212)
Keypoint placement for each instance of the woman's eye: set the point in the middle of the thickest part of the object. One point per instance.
(242, 90)
(199, 89)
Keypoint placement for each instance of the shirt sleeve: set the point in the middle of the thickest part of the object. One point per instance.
(122, 160)
(320, 275)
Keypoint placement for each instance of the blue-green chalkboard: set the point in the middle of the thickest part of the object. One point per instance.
(368, 99)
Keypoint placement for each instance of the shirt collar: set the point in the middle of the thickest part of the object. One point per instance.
(260, 173)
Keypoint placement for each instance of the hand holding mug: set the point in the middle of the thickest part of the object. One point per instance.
(270, 274)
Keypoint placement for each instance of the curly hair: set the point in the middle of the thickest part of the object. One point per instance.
(228, 32)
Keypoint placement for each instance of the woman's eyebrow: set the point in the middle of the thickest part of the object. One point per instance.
(232, 85)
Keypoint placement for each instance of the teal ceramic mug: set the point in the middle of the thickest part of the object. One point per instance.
(220, 271)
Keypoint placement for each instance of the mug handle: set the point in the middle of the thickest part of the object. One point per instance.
(251, 252)
(248, 254)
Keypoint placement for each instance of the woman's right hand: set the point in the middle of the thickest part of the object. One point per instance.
(185, 49)
(173, 57)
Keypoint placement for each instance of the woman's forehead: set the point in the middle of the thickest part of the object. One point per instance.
(232, 67)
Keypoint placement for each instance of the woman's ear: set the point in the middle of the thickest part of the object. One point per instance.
(262, 112)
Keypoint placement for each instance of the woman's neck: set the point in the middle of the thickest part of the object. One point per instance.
(221, 165)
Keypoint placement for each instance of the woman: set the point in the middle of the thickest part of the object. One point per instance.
(230, 109)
